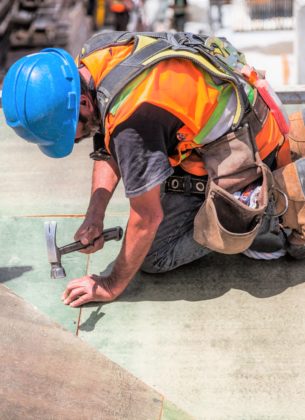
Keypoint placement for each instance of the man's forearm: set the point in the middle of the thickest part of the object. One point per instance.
(145, 217)
(105, 178)
(137, 243)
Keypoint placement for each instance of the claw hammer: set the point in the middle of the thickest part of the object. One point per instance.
(55, 253)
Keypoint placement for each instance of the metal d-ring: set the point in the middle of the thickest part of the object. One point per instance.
(200, 186)
(174, 184)
(281, 213)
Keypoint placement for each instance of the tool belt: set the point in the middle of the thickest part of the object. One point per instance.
(223, 223)
(185, 184)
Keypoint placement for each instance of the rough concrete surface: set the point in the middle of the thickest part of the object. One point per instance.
(47, 373)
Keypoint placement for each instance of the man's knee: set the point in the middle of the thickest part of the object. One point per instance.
(154, 265)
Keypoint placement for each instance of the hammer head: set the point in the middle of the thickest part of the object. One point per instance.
(54, 255)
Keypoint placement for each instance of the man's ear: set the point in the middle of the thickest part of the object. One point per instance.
(85, 104)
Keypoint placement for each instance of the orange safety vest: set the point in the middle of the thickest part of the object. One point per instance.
(180, 87)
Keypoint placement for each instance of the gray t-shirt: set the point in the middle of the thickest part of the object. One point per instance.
(141, 146)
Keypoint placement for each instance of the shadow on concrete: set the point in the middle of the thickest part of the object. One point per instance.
(216, 274)
(93, 319)
(9, 273)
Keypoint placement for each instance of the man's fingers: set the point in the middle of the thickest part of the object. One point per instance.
(90, 288)
(97, 245)
(74, 294)
(73, 284)
(88, 234)
(81, 301)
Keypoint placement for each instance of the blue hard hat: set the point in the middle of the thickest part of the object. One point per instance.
(40, 100)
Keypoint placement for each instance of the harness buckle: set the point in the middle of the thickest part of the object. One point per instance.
(180, 42)
(185, 184)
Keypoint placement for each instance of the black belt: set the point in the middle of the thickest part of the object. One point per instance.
(185, 184)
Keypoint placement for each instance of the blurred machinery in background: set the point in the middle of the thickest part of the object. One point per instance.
(266, 9)
(29, 25)
(262, 14)
(8, 9)
(43, 23)
(253, 14)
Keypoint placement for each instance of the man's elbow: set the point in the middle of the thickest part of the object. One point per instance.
(150, 222)
(154, 219)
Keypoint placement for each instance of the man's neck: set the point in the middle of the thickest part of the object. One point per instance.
(85, 73)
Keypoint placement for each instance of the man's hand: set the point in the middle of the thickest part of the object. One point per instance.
(90, 233)
(89, 289)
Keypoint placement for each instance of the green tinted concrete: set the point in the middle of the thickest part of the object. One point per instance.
(172, 412)
(25, 269)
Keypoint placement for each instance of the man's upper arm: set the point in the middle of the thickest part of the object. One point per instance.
(147, 206)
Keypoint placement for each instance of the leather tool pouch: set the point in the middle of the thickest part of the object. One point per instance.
(223, 223)
(296, 135)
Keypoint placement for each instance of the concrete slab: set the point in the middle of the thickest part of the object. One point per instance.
(47, 373)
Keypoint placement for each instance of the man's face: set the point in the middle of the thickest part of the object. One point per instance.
(88, 122)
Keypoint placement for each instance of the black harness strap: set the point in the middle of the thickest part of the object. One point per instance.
(185, 184)
(110, 39)
(103, 40)
(127, 70)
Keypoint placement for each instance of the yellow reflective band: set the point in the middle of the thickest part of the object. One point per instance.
(143, 41)
(239, 111)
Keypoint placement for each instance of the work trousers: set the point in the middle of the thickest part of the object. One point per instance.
(174, 244)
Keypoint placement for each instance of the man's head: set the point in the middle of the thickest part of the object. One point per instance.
(88, 121)
(41, 100)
